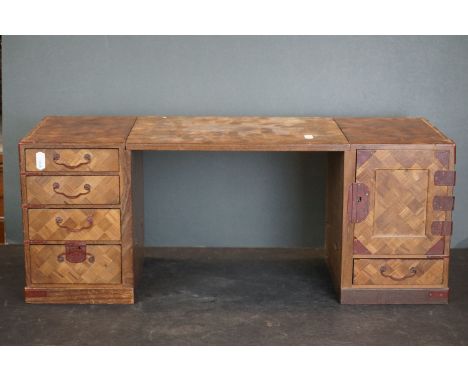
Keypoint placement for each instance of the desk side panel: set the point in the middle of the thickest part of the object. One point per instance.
(339, 232)
(132, 216)
(333, 220)
(138, 214)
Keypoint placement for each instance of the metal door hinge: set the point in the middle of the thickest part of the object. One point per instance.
(443, 157)
(444, 178)
(443, 203)
(441, 228)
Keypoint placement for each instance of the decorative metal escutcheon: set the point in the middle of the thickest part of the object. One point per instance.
(75, 252)
(358, 202)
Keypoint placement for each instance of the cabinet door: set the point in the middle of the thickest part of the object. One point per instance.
(407, 197)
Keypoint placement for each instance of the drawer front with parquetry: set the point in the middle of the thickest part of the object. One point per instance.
(57, 264)
(48, 160)
(74, 224)
(75, 189)
(416, 272)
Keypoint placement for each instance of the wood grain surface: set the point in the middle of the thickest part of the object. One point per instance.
(76, 189)
(48, 268)
(395, 157)
(401, 192)
(84, 295)
(75, 224)
(408, 272)
(60, 159)
(390, 131)
(236, 134)
(81, 129)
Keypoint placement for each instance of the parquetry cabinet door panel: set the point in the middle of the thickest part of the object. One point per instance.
(400, 202)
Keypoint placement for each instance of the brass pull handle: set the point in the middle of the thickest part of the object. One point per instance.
(412, 273)
(59, 221)
(86, 157)
(62, 257)
(87, 188)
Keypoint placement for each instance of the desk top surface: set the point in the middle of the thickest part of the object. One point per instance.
(234, 133)
(81, 129)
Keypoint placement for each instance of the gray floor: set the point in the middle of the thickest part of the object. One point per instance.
(231, 297)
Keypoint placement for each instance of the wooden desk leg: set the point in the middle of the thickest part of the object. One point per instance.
(138, 214)
(349, 176)
(132, 217)
(339, 233)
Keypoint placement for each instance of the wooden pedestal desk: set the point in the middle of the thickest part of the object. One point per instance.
(389, 200)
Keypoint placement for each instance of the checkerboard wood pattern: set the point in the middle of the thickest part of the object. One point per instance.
(410, 272)
(48, 265)
(74, 224)
(402, 189)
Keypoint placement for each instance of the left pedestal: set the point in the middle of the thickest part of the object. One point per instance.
(80, 242)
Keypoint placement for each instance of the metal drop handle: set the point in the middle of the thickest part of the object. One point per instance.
(59, 221)
(56, 186)
(86, 157)
(412, 273)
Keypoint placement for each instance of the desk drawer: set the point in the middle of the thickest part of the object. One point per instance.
(73, 160)
(74, 189)
(74, 224)
(417, 272)
(100, 265)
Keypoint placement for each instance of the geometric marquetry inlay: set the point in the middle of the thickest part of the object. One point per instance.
(74, 189)
(74, 224)
(400, 202)
(390, 200)
(398, 272)
(102, 265)
(74, 160)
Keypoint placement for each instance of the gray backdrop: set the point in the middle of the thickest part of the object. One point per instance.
(235, 199)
